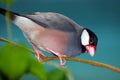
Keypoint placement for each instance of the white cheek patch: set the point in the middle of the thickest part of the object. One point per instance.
(85, 38)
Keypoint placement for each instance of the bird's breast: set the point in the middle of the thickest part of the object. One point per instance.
(52, 39)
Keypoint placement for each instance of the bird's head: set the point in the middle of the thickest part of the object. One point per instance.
(89, 41)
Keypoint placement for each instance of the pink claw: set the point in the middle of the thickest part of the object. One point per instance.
(59, 56)
(61, 61)
(38, 53)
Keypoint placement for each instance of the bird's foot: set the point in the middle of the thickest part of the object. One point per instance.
(38, 53)
(59, 56)
(38, 57)
(61, 60)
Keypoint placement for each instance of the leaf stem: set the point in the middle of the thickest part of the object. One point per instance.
(94, 63)
(9, 30)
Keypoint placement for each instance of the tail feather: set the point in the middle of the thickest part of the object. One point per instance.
(11, 14)
(3, 11)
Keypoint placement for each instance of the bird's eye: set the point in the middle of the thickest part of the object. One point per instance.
(91, 40)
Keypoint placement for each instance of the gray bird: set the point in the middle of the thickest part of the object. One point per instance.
(54, 33)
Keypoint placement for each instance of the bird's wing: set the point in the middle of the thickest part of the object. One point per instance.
(54, 21)
(59, 24)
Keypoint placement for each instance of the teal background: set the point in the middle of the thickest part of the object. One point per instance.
(101, 16)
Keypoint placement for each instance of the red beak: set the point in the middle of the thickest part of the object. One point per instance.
(91, 49)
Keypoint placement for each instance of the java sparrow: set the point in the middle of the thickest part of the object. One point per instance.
(54, 33)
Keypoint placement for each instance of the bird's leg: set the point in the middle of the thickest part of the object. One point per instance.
(59, 56)
(38, 53)
(61, 61)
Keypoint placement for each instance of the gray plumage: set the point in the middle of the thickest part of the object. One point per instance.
(54, 21)
(54, 33)
(59, 22)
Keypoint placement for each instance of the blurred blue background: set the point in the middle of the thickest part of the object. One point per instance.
(101, 16)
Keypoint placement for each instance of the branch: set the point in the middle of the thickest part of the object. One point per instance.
(94, 63)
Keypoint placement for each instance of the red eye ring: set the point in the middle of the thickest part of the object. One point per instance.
(91, 40)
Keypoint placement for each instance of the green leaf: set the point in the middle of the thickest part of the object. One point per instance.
(7, 2)
(37, 69)
(13, 61)
(66, 70)
(57, 74)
